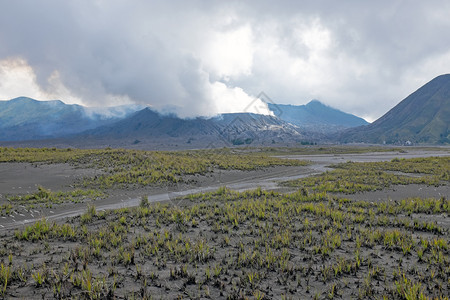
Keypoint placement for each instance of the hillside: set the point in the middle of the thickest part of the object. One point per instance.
(316, 117)
(422, 117)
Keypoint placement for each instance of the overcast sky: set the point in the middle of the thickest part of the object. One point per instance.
(207, 57)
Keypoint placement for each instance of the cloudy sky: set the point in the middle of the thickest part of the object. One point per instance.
(206, 57)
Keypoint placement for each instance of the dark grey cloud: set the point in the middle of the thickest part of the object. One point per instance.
(203, 57)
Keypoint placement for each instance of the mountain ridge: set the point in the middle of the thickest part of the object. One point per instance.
(422, 117)
(227, 129)
(24, 118)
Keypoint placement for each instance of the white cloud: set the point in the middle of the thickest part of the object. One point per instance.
(229, 53)
(17, 79)
(229, 100)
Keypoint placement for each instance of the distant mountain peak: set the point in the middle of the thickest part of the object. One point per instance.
(315, 102)
(316, 117)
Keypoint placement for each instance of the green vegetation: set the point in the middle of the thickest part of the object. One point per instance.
(147, 168)
(45, 196)
(127, 167)
(55, 155)
(312, 150)
(227, 244)
(352, 177)
(437, 166)
(48, 155)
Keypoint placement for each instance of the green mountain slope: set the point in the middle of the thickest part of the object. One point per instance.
(422, 117)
